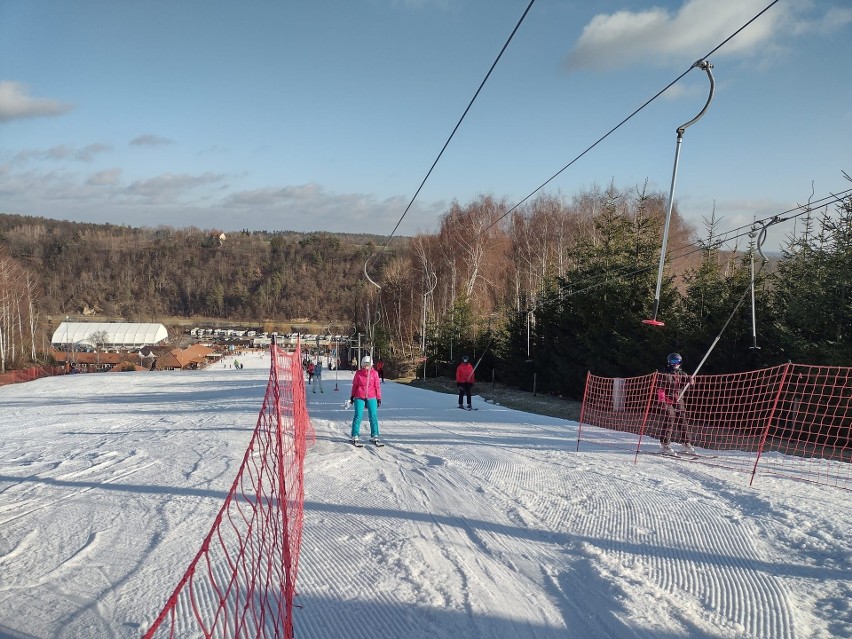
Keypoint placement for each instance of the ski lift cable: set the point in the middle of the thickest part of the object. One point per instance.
(760, 239)
(578, 157)
(715, 245)
(431, 168)
(446, 144)
(728, 236)
(587, 149)
(629, 117)
(724, 238)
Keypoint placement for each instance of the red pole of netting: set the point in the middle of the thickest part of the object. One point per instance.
(582, 409)
(791, 419)
(242, 581)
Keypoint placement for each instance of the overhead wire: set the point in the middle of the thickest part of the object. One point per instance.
(739, 232)
(455, 128)
(569, 164)
(724, 238)
(434, 164)
(578, 157)
(633, 114)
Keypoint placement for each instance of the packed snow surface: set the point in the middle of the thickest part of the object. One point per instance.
(467, 524)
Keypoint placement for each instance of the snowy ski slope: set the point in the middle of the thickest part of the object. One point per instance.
(467, 524)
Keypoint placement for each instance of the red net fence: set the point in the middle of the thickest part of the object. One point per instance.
(29, 374)
(242, 581)
(792, 419)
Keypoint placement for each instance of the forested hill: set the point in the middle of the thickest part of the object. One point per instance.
(556, 289)
(143, 274)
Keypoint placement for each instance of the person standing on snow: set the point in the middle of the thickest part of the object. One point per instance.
(366, 392)
(465, 380)
(672, 382)
(310, 373)
(380, 369)
(318, 377)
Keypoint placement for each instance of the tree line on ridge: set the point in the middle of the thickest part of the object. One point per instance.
(540, 293)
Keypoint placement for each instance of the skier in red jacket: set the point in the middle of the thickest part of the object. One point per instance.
(465, 380)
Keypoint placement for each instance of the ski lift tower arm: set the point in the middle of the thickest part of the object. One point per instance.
(705, 66)
(367, 275)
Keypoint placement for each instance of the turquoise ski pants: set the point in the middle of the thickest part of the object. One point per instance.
(359, 414)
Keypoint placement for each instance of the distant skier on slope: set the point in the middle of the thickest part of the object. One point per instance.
(672, 381)
(318, 377)
(366, 391)
(465, 380)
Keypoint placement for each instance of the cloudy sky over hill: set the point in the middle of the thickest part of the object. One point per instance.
(327, 116)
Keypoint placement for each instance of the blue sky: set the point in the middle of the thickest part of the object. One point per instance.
(326, 115)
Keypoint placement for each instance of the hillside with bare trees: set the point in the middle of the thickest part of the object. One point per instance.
(538, 294)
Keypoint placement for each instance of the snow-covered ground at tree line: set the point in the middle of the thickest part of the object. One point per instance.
(467, 524)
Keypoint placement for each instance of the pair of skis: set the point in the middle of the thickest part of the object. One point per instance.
(468, 408)
(355, 441)
(684, 455)
(375, 441)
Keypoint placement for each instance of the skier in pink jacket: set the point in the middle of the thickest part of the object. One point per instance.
(366, 391)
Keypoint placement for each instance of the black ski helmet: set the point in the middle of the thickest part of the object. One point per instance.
(674, 359)
(465, 358)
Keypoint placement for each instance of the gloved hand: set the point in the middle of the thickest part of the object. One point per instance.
(352, 400)
(378, 402)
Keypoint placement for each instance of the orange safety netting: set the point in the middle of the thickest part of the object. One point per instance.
(791, 419)
(29, 374)
(243, 579)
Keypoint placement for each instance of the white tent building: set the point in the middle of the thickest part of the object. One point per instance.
(83, 335)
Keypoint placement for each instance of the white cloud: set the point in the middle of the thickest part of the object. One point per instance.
(204, 200)
(213, 151)
(684, 90)
(16, 103)
(289, 195)
(150, 139)
(109, 177)
(63, 152)
(834, 18)
(21, 188)
(87, 153)
(312, 201)
(656, 36)
(309, 206)
(170, 188)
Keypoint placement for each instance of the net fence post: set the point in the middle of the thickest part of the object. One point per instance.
(583, 407)
(647, 411)
(769, 419)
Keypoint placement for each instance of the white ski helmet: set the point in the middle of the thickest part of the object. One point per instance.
(366, 361)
